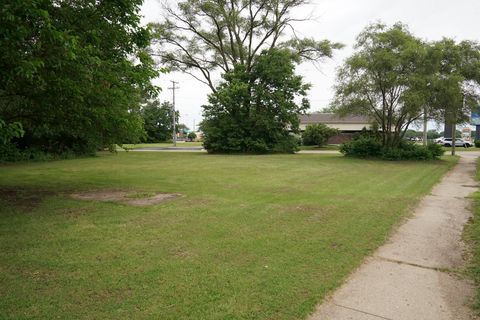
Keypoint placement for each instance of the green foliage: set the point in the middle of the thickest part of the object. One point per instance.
(477, 143)
(73, 73)
(317, 134)
(370, 147)
(10, 131)
(433, 134)
(472, 237)
(363, 147)
(158, 121)
(254, 111)
(204, 35)
(192, 136)
(384, 79)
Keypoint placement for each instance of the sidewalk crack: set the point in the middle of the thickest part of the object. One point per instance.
(444, 269)
(364, 312)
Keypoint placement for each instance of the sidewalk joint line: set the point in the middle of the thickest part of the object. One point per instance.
(439, 269)
(364, 312)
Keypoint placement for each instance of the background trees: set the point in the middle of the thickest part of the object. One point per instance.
(456, 80)
(397, 79)
(317, 134)
(73, 73)
(384, 79)
(158, 121)
(248, 111)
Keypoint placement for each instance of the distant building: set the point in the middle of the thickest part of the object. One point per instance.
(348, 125)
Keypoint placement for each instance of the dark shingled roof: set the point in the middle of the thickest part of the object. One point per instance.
(331, 118)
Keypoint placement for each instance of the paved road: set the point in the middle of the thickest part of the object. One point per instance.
(406, 279)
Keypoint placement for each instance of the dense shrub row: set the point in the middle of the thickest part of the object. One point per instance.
(371, 147)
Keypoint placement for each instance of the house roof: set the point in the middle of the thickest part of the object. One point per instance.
(332, 118)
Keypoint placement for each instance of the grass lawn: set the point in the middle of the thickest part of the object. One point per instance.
(327, 147)
(472, 237)
(447, 150)
(253, 237)
(162, 144)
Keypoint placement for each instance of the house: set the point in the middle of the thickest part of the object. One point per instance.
(347, 125)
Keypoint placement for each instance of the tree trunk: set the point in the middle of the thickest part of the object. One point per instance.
(454, 129)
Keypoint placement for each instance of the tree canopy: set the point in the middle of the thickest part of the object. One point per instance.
(73, 73)
(254, 111)
(454, 86)
(253, 46)
(158, 121)
(384, 79)
(203, 36)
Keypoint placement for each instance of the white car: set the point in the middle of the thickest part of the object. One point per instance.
(447, 142)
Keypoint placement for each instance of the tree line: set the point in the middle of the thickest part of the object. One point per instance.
(77, 75)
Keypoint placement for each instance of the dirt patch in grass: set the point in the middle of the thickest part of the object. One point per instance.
(24, 199)
(128, 197)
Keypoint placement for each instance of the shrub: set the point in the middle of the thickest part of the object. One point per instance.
(368, 147)
(317, 134)
(477, 143)
(192, 136)
(363, 147)
(436, 149)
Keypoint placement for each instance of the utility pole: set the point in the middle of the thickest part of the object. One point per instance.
(174, 130)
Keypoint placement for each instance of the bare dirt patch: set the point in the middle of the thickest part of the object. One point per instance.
(127, 197)
(23, 199)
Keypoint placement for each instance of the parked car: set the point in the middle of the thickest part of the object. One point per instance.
(447, 142)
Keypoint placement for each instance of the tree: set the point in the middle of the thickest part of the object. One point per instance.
(201, 36)
(457, 78)
(254, 111)
(433, 134)
(385, 80)
(73, 73)
(192, 136)
(158, 121)
(317, 134)
(247, 112)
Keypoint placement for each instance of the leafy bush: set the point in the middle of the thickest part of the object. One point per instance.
(192, 136)
(369, 147)
(363, 147)
(477, 143)
(317, 134)
(435, 149)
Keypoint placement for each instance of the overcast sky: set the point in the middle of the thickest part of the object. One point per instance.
(340, 21)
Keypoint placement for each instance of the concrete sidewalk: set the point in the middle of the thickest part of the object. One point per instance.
(408, 277)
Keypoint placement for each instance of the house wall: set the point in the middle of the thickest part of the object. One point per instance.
(346, 127)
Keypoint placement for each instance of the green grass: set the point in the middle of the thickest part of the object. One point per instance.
(162, 144)
(460, 149)
(254, 237)
(327, 147)
(472, 237)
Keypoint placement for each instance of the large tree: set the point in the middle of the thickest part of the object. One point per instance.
(385, 79)
(248, 112)
(456, 80)
(202, 36)
(256, 111)
(73, 72)
(158, 119)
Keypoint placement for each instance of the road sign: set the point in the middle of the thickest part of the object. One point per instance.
(475, 119)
